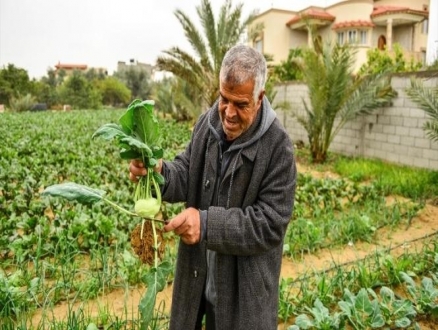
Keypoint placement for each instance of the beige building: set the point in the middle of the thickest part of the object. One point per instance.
(365, 23)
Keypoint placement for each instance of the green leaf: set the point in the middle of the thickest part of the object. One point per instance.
(130, 154)
(402, 323)
(74, 192)
(135, 143)
(303, 321)
(158, 178)
(155, 281)
(363, 302)
(109, 132)
(139, 121)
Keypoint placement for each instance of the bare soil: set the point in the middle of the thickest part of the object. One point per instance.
(142, 242)
(410, 238)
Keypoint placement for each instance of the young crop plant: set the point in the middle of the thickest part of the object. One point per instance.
(138, 136)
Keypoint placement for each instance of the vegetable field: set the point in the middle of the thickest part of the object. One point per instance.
(354, 257)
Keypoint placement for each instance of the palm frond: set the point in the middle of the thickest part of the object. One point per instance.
(426, 98)
(192, 34)
(207, 19)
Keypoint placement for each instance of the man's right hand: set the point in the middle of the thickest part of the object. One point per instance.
(136, 169)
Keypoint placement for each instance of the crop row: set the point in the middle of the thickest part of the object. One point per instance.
(53, 251)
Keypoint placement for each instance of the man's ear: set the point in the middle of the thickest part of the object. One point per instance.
(262, 93)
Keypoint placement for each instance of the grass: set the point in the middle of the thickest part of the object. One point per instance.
(391, 179)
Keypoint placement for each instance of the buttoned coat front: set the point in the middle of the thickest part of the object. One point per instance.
(246, 221)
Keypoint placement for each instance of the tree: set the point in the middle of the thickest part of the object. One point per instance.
(201, 72)
(336, 96)
(173, 97)
(79, 92)
(113, 91)
(427, 99)
(138, 80)
(13, 83)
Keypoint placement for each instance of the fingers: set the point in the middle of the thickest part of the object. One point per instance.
(187, 225)
(136, 169)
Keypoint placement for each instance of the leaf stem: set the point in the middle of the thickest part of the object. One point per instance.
(120, 208)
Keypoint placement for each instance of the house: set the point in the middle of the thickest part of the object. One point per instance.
(68, 68)
(365, 23)
(135, 65)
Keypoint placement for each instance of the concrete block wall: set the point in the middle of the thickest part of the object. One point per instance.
(394, 134)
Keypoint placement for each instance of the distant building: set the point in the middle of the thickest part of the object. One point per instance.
(135, 65)
(69, 68)
(366, 24)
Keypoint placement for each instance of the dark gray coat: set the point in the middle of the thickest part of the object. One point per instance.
(246, 224)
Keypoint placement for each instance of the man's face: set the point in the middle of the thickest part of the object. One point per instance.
(237, 108)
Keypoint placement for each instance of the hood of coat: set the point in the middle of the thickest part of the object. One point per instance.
(263, 121)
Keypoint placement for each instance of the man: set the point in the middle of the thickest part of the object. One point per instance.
(237, 178)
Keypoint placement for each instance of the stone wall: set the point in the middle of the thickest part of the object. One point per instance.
(393, 134)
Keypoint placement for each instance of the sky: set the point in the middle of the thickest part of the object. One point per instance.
(35, 35)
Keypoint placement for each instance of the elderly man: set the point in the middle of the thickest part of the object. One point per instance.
(237, 177)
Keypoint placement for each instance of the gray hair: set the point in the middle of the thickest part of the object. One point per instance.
(242, 63)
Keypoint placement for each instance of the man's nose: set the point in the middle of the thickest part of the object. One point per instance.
(231, 110)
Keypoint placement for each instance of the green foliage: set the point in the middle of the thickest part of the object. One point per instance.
(78, 92)
(58, 251)
(336, 96)
(332, 212)
(138, 81)
(114, 92)
(45, 93)
(176, 99)
(21, 103)
(201, 72)
(382, 61)
(425, 294)
(390, 178)
(288, 70)
(321, 319)
(13, 83)
(427, 99)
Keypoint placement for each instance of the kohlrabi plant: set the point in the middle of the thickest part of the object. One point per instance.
(138, 136)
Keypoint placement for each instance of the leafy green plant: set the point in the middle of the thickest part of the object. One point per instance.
(396, 312)
(138, 136)
(22, 103)
(379, 61)
(336, 96)
(361, 311)
(321, 319)
(425, 295)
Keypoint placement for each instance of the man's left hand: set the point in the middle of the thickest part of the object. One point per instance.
(187, 225)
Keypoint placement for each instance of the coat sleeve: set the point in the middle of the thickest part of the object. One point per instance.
(261, 223)
(176, 172)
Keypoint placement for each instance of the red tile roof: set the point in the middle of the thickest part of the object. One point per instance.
(347, 24)
(385, 10)
(64, 66)
(311, 14)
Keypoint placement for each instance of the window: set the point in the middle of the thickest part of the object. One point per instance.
(258, 45)
(341, 38)
(352, 37)
(355, 37)
(363, 39)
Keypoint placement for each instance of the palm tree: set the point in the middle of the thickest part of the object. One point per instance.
(427, 99)
(336, 95)
(201, 72)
